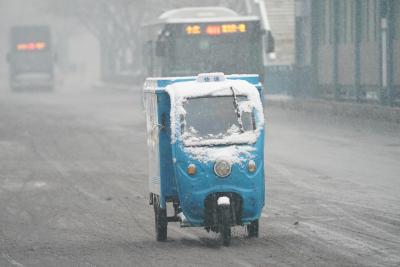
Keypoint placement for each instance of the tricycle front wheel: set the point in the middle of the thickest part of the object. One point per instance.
(225, 226)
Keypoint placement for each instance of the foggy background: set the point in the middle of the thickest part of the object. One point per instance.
(100, 40)
(73, 161)
(76, 47)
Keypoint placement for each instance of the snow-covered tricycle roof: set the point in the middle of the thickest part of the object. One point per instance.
(204, 80)
(181, 89)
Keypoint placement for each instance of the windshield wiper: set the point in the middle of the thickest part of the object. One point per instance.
(237, 111)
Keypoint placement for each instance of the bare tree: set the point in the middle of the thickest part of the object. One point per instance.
(116, 25)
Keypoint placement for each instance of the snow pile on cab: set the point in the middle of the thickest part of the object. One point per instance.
(231, 137)
(233, 154)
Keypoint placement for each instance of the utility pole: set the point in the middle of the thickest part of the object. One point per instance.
(386, 94)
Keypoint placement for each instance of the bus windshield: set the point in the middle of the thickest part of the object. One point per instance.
(231, 53)
(217, 119)
(30, 38)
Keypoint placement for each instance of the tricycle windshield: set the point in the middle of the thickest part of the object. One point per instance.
(213, 120)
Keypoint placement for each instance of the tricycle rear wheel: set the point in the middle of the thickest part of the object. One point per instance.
(161, 222)
(252, 229)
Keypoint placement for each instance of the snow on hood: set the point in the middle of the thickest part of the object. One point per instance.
(209, 150)
(232, 154)
(232, 138)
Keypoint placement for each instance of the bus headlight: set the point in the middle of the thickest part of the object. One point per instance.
(252, 167)
(222, 168)
(191, 169)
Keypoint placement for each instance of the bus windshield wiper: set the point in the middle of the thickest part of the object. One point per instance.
(237, 111)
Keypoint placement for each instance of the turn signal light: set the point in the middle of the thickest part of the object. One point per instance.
(191, 170)
(252, 166)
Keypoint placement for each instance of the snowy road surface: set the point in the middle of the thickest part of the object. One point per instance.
(73, 189)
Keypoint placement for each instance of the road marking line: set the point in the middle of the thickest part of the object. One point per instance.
(12, 261)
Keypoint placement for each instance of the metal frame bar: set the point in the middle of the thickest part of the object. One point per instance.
(336, 49)
(315, 41)
(391, 32)
(357, 51)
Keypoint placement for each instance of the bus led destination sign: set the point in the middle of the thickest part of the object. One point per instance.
(215, 29)
(31, 46)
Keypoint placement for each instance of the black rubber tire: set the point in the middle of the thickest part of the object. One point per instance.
(161, 222)
(252, 229)
(225, 226)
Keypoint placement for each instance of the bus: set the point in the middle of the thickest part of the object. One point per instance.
(31, 58)
(189, 41)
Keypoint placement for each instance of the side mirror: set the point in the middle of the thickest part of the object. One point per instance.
(270, 43)
(161, 48)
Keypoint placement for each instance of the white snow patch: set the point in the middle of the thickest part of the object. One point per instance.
(193, 130)
(233, 130)
(246, 106)
(223, 201)
(182, 217)
(234, 138)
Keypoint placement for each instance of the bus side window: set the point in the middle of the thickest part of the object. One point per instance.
(148, 59)
(161, 48)
(270, 43)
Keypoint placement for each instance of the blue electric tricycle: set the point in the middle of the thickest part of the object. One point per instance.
(206, 152)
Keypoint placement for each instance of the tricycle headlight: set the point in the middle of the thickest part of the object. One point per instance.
(222, 168)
